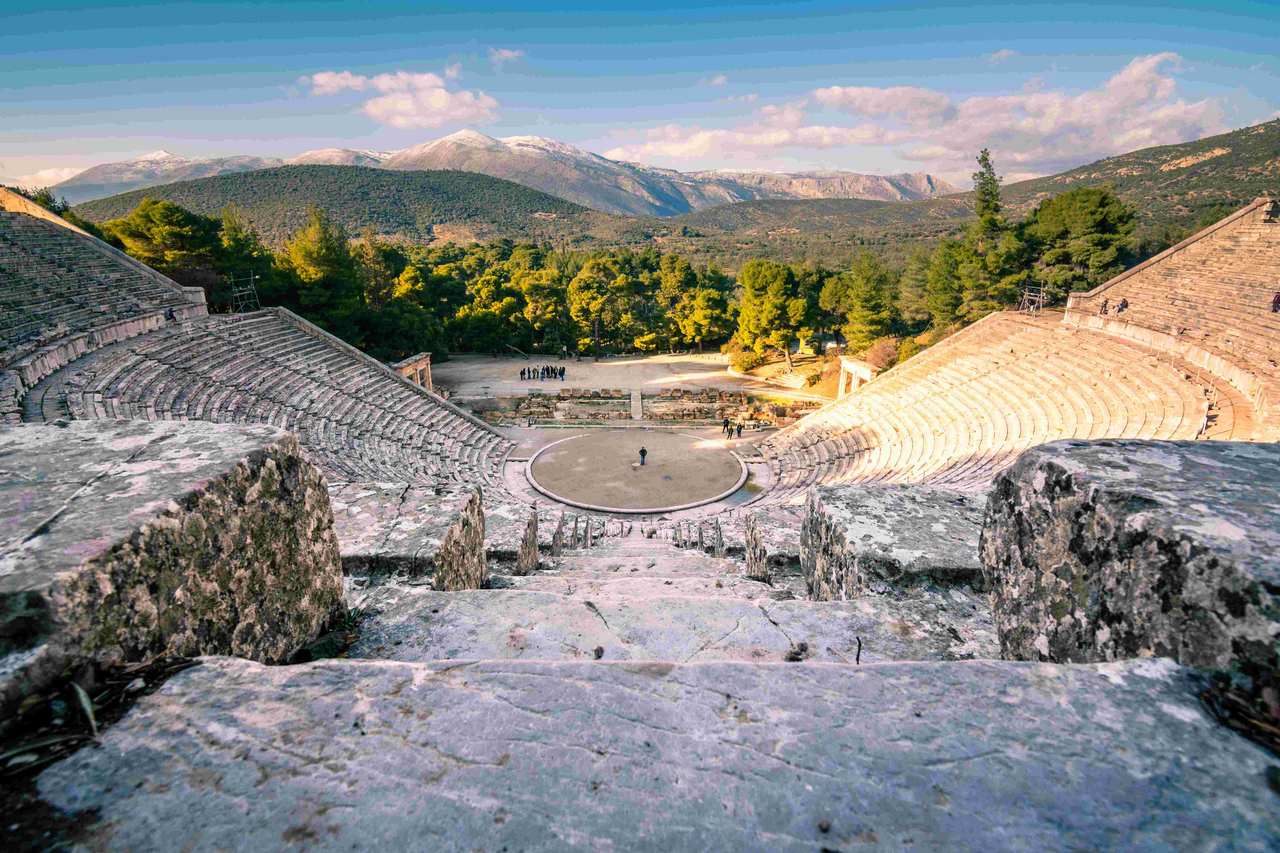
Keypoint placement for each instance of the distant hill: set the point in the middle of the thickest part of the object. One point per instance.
(1170, 186)
(908, 186)
(1172, 183)
(423, 206)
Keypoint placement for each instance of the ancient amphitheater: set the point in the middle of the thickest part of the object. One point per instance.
(1018, 592)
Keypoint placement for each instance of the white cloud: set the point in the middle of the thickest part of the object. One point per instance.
(1031, 131)
(408, 99)
(453, 72)
(717, 80)
(776, 126)
(45, 177)
(1002, 55)
(911, 103)
(500, 56)
(749, 98)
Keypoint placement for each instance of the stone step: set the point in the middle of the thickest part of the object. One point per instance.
(668, 563)
(590, 584)
(537, 756)
(416, 623)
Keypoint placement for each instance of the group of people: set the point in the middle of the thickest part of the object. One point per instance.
(1121, 306)
(730, 429)
(547, 371)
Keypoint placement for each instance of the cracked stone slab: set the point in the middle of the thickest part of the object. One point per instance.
(541, 756)
(899, 534)
(639, 582)
(1114, 549)
(417, 624)
(777, 532)
(583, 585)
(412, 529)
(659, 560)
(124, 540)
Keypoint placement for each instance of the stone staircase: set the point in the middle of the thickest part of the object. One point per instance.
(640, 599)
(639, 696)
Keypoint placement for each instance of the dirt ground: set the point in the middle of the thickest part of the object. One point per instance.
(599, 467)
(484, 376)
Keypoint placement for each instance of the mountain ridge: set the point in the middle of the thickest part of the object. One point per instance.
(541, 163)
(1170, 186)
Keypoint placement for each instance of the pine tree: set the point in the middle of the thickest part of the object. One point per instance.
(319, 259)
(1082, 238)
(772, 311)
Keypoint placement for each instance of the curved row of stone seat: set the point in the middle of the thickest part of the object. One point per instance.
(64, 293)
(54, 282)
(355, 419)
(959, 413)
(1214, 294)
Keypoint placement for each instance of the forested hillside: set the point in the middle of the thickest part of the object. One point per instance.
(1171, 188)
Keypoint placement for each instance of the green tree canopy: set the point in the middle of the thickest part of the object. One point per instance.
(183, 245)
(1082, 238)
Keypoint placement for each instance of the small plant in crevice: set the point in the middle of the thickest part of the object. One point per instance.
(341, 634)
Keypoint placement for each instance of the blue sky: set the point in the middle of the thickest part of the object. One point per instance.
(873, 87)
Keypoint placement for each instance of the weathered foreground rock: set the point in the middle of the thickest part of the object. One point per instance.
(413, 530)
(527, 558)
(755, 555)
(900, 534)
(1115, 549)
(546, 756)
(418, 624)
(123, 540)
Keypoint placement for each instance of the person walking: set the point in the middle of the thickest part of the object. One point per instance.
(643, 454)
(738, 429)
(724, 427)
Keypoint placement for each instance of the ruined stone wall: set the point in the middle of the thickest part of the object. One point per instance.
(127, 540)
(701, 404)
(854, 535)
(417, 369)
(1099, 551)
(565, 406)
(414, 530)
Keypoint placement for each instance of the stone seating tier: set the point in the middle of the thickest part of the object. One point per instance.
(960, 412)
(63, 293)
(356, 420)
(1210, 299)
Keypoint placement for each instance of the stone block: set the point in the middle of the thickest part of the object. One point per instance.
(757, 557)
(1117, 549)
(414, 530)
(541, 756)
(123, 541)
(527, 558)
(852, 535)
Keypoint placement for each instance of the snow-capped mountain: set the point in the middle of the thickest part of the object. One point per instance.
(633, 188)
(549, 165)
(339, 157)
(149, 170)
